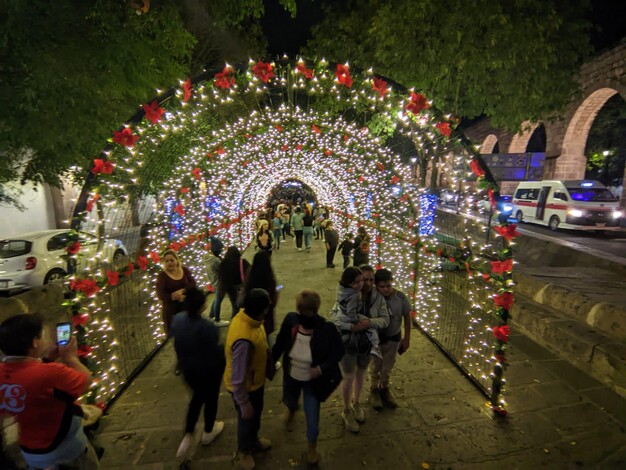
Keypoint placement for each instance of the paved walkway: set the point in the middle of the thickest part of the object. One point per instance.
(559, 417)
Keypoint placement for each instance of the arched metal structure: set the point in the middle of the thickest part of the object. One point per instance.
(201, 159)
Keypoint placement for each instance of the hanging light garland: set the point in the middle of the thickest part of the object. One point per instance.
(212, 150)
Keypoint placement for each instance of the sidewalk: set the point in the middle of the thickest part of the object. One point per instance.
(559, 418)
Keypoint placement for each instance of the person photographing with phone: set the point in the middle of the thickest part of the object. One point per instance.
(39, 386)
(391, 341)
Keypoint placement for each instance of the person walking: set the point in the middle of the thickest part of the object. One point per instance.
(261, 276)
(391, 341)
(212, 261)
(286, 227)
(346, 247)
(298, 226)
(307, 222)
(332, 240)
(170, 287)
(41, 394)
(264, 239)
(277, 225)
(361, 247)
(312, 349)
(232, 274)
(357, 337)
(246, 352)
(201, 360)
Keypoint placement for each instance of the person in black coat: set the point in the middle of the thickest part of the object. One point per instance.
(311, 348)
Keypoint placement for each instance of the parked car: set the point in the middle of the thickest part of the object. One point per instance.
(35, 258)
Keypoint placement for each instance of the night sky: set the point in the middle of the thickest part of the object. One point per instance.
(288, 35)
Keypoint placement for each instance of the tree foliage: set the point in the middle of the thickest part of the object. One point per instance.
(72, 72)
(511, 61)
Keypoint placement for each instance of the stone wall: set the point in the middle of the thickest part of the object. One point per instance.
(600, 78)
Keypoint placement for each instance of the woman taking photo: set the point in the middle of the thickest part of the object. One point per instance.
(170, 288)
(312, 349)
(232, 273)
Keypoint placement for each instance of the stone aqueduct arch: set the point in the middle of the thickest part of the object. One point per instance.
(600, 79)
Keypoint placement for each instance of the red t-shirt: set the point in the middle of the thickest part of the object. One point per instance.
(40, 396)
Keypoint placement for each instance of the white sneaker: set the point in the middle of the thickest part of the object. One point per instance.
(299, 249)
(278, 365)
(185, 445)
(349, 421)
(208, 437)
(222, 323)
(375, 351)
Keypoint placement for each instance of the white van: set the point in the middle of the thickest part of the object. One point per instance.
(573, 204)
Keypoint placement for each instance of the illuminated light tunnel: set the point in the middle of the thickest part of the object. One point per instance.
(202, 159)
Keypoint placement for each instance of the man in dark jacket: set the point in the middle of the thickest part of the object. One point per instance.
(332, 240)
(311, 348)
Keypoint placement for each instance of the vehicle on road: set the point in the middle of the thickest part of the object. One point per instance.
(570, 204)
(35, 258)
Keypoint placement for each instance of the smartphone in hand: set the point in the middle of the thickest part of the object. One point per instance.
(64, 333)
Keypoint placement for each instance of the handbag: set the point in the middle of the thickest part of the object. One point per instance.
(357, 342)
(241, 295)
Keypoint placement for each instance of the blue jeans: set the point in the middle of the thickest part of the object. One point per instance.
(308, 237)
(291, 394)
(248, 429)
(216, 308)
(277, 234)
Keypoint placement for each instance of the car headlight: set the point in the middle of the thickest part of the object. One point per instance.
(617, 214)
(506, 208)
(575, 212)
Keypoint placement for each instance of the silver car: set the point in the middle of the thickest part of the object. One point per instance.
(34, 259)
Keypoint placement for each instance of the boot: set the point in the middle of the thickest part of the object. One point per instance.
(312, 457)
(375, 399)
(387, 398)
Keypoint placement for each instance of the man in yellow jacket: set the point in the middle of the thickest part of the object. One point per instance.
(246, 351)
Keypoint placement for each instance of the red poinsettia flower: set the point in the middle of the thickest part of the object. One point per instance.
(142, 263)
(113, 278)
(179, 209)
(154, 112)
(500, 358)
(380, 166)
(380, 86)
(187, 88)
(504, 300)
(284, 148)
(130, 267)
(417, 104)
(361, 179)
(486, 277)
(507, 231)
(210, 288)
(492, 198)
(476, 168)
(279, 128)
(184, 190)
(299, 147)
(83, 350)
(102, 166)
(220, 150)
(154, 256)
(316, 129)
(301, 68)
(102, 405)
(394, 179)
(346, 137)
(86, 286)
(444, 128)
(197, 173)
(225, 79)
(175, 246)
(80, 320)
(264, 71)
(501, 267)
(73, 248)
(502, 332)
(413, 314)
(343, 75)
(125, 137)
(378, 239)
(92, 201)
(328, 153)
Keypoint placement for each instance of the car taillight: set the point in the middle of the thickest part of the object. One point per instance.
(31, 262)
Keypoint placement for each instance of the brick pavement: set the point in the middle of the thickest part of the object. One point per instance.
(559, 417)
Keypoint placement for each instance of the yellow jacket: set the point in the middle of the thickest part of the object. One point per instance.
(243, 327)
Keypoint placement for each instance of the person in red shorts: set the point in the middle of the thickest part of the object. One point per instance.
(41, 395)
